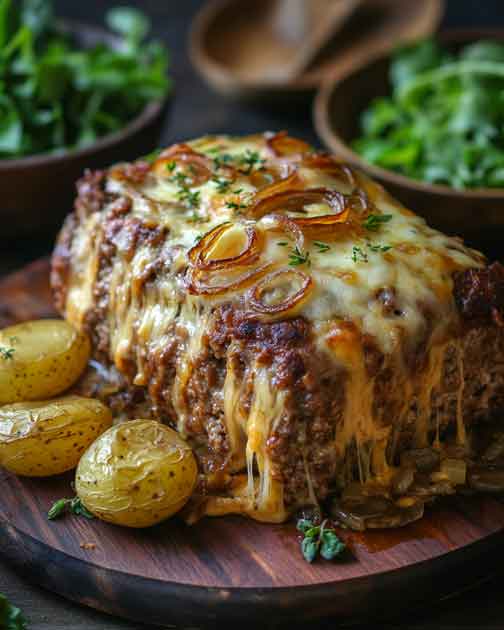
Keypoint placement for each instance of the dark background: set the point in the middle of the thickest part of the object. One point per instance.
(197, 111)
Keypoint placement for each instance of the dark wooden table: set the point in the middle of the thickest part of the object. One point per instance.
(197, 111)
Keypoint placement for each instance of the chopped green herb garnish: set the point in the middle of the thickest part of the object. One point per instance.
(221, 184)
(171, 166)
(319, 539)
(251, 160)
(358, 255)
(378, 247)
(298, 257)
(195, 218)
(7, 354)
(232, 205)
(198, 238)
(11, 617)
(63, 506)
(321, 247)
(192, 198)
(282, 243)
(374, 221)
(222, 160)
(238, 191)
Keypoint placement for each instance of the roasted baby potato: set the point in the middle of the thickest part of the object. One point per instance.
(40, 359)
(40, 439)
(136, 474)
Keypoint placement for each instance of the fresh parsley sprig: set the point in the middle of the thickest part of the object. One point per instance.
(11, 618)
(319, 539)
(72, 506)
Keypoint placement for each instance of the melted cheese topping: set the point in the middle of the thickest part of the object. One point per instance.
(402, 255)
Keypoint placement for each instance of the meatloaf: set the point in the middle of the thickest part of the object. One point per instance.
(297, 325)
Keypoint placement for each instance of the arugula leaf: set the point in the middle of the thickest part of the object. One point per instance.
(11, 617)
(444, 121)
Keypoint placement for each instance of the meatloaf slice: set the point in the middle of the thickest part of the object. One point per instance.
(296, 324)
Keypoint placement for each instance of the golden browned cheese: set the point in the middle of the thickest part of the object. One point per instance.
(265, 224)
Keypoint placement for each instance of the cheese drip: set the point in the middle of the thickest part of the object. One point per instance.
(259, 496)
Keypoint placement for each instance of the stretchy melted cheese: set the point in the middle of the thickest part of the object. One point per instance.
(375, 274)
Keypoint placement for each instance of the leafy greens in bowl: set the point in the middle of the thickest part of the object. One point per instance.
(443, 122)
(56, 96)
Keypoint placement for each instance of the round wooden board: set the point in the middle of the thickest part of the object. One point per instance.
(231, 568)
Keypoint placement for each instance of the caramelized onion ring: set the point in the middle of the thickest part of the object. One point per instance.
(287, 306)
(295, 200)
(282, 145)
(199, 254)
(332, 167)
(289, 183)
(200, 165)
(195, 281)
(288, 225)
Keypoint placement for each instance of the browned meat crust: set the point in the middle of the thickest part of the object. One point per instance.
(479, 293)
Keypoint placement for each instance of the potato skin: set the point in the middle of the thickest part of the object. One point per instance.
(137, 474)
(40, 439)
(40, 359)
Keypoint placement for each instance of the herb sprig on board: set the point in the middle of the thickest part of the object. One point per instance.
(56, 96)
(319, 539)
(11, 618)
(443, 122)
(65, 506)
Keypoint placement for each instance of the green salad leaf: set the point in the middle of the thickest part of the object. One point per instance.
(319, 539)
(443, 122)
(11, 617)
(56, 96)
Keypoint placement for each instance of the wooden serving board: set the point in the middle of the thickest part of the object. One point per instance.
(231, 568)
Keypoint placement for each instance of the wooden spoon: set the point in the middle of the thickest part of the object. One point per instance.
(243, 48)
(298, 30)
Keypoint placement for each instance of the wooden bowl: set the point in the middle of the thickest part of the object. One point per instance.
(230, 38)
(475, 213)
(38, 191)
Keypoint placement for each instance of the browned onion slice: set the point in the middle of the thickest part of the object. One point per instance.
(199, 255)
(332, 167)
(198, 165)
(289, 226)
(290, 303)
(282, 145)
(289, 183)
(198, 281)
(296, 200)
